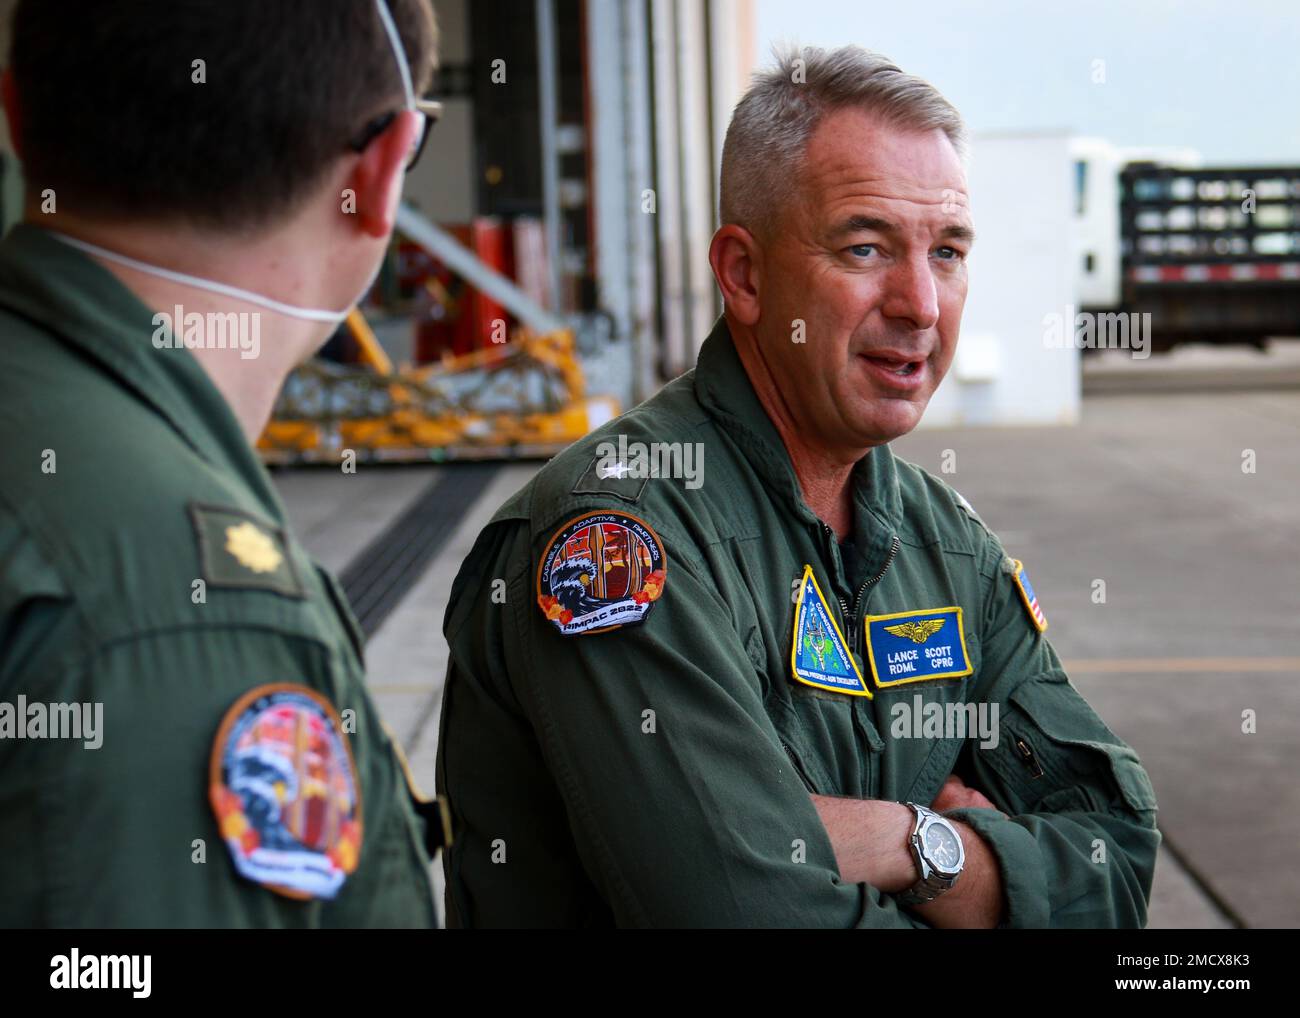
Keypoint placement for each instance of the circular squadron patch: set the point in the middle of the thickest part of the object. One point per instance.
(600, 571)
(284, 787)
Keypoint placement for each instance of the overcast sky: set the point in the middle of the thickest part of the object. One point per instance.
(1220, 77)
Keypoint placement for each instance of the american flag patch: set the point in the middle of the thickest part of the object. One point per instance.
(1028, 596)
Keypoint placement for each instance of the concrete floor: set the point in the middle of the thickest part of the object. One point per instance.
(1201, 564)
(1202, 570)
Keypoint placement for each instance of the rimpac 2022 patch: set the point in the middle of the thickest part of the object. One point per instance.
(601, 571)
(284, 787)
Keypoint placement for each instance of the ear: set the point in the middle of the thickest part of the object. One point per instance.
(377, 176)
(735, 257)
(9, 95)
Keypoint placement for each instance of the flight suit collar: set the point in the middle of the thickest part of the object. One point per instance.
(723, 388)
(87, 308)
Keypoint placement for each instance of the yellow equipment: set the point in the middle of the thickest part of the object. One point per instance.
(523, 399)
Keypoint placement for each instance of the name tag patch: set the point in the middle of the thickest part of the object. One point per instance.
(917, 646)
(820, 656)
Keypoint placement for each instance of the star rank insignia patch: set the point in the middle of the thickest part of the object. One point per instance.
(252, 548)
(917, 646)
(1027, 595)
(820, 656)
(238, 550)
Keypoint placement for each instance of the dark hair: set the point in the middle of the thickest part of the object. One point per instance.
(111, 119)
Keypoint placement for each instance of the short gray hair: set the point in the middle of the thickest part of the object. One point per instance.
(773, 121)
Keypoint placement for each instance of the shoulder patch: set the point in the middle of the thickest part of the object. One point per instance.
(601, 571)
(284, 788)
(1017, 570)
(239, 550)
(609, 475)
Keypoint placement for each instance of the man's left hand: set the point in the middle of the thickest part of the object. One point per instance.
(956, 794)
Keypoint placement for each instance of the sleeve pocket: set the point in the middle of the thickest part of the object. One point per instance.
(1056, 754)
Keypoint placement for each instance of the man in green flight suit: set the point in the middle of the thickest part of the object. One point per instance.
(633, 732)
(185, 734)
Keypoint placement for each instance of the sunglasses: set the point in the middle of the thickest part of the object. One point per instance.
(429, 109)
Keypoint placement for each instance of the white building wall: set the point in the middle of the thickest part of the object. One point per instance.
(1021, 270)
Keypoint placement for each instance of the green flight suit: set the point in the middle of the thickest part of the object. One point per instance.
(123, 475)
(572, 805)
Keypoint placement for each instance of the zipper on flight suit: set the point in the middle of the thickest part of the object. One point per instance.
(851, 617)
(871, 767)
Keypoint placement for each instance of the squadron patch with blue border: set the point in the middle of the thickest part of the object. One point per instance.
(820, 656)
(1027, 595)
(917, 646)
(601, 571)
(284, 788)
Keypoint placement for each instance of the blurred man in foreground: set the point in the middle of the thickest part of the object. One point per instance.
(185, 734)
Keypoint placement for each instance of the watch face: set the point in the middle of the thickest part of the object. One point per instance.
(943, 847)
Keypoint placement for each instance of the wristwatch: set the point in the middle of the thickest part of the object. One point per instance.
(937, 848)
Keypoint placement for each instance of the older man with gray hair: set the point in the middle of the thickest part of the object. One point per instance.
(756, 700)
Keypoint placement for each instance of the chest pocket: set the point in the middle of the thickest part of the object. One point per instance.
(830, 739)
(926, 726)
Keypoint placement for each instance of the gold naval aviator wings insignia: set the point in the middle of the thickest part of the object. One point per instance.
(252, 549)
(917, 632)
